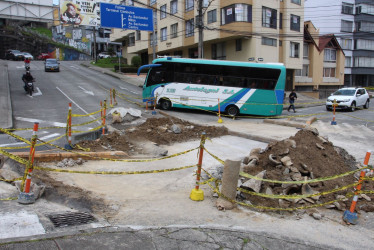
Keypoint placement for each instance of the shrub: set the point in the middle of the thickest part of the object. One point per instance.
(136, 61)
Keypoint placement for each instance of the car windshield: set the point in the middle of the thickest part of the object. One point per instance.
(345, 92)
(51, 61)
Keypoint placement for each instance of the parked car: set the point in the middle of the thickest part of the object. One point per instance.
(27, 55)
(349, 98)
(43, 56)
(103, 55)
(51, 64)
(13, 54)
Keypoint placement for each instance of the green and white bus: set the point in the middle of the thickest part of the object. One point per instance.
(233, 87)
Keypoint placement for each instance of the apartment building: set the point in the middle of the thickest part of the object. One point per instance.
(323, 64)
(250, 30)
(352, 22)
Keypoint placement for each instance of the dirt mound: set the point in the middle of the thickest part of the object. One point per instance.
(157, 130)
(310, 157)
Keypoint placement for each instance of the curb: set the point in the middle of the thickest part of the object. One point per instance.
(50, 157)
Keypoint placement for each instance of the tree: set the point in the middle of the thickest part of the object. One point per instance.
(136, 61)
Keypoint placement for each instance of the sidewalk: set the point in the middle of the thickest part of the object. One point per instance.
(5, 102)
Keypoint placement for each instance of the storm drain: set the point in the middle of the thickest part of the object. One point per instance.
(71, 219)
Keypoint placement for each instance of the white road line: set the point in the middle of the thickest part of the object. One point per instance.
(49, 136)
(86, 91)
(57, 124)
(129, 90)
(22, 143)
(76, 104)
(74, 67)
(38, 92)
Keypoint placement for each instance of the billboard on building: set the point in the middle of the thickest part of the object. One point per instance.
(77, 12)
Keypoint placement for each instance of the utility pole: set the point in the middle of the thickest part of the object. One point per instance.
(154, 37)
(94, 37)
(200, 27)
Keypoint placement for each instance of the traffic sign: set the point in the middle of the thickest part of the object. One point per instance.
(126, 17)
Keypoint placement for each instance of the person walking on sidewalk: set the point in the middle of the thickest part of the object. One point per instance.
(292, 98)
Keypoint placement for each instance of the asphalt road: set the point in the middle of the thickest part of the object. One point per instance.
(75, 84)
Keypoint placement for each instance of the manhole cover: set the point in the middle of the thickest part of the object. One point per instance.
(71, 219)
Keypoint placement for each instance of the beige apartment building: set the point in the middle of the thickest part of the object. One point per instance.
(323, 64)
(237, 30)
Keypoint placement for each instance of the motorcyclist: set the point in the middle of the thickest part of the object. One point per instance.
(27, 77)
(27, 63)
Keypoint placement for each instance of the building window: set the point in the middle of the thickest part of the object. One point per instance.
(295, 48)
(154, 35)
(346, 43)
(163, 11)
(236, 13)
(306, 51)
(347, 8)
(346, 26)
(164, 34)
(365, 26)
(269, 18)
(212, 16)
(296, 1)
(295, 23)
(218, 51)
(174, 7)
(238, 44)
(189, 5)
(367, 62)
(348, 62)
(138, 35)
(303, 72)
(174, 30)
(365, 8)
(155, 17)
(329, 55)
(152, 2)
(190, 27)
(280, 20)
(269, 41)
(131, 39)
(364, 44)
(328, 72)
(280, 43)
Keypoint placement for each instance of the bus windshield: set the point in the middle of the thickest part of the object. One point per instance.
(240, 87)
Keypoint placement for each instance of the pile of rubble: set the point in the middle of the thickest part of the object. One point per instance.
(304, 156)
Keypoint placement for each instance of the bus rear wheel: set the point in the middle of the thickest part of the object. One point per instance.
(232, 110)
(165, 104)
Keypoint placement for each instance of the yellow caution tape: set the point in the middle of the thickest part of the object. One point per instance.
(14, 157)
(90, 130)
(289, 182)
(124, 160)
(15, 136)
(328, 178)
(275, 196)
(17, 179)
(114, 172)
(278, 208)
(358, 118)
(85, 123)
(9, 199)
(37, 145)
(93, 113)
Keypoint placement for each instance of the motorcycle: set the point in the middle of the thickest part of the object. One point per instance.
(27, 66)
(29, 87)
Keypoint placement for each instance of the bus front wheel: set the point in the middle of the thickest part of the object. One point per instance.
(232, 110)
(165, 104)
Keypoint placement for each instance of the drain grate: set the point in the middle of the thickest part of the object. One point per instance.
(71, 219)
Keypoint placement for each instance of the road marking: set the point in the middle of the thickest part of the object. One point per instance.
(76, 104)
(74, 67)
(38, 92)
(57, 124)
(129, 90)
(86, 91)
(22, 143)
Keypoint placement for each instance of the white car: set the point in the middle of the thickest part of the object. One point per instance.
(27, 55)
(103, 55)
(348, 98)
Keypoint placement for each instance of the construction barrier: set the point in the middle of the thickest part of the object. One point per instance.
(196, 193)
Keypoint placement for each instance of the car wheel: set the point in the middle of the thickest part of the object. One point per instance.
(353, 106)
(165, 104)
(367, 104)
(232, 110)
